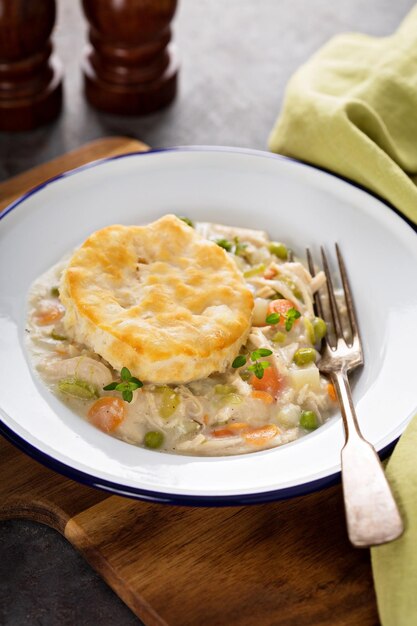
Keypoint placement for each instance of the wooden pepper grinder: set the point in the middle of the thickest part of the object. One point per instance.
(30, 77)
(130, 66)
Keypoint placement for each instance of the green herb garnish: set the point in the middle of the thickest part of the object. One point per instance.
(54, 292)
(290, 316)
(186, 220)
(239, 361)
(239, 247)
(225, 244)
(127, 385)
(257, 366)
(273, 318)
(256, 354)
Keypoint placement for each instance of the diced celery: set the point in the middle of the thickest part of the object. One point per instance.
(153, 439)
(77, 388)
(224, 389)
(291, 284)
(169, 401)
(254, 271)
(279, 337)
(231, 399)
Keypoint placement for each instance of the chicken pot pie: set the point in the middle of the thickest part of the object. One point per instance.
(189, 338)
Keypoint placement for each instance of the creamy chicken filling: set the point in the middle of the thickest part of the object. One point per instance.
(271, 394)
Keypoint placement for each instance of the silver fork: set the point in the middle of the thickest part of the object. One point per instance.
(372, 514)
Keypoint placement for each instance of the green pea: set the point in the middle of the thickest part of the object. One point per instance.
(320, 329)
(279, 337)
(153, 439)
(279, 249)
(304, 356)
(308, 420)
(77, 388)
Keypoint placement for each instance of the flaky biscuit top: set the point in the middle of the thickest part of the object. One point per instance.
(158, 299)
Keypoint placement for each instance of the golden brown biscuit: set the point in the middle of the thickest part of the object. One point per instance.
(158, 299)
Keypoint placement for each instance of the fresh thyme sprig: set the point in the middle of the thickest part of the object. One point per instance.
(258, 367)
(236, 247)
(186, 220)
(126, 386)
(290, 316)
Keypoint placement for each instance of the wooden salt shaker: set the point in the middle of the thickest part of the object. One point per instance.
(30, 76)
(130, 67)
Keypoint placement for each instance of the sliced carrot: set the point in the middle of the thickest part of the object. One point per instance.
(260, 435)
(332, 392)
(281, 306)
(271, 382)
(49, 315)
(255, 435)
(231, 430)
(270, 273)
(262, 395)
(107, 413)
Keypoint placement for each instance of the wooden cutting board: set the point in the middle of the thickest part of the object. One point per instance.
(283, 564)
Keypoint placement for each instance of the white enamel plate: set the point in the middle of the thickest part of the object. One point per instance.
(295, 203)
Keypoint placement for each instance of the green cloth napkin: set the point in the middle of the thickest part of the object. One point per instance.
(352, 109)
(395, 564)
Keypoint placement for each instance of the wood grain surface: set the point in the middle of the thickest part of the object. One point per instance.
(99, 149)
(287, 563)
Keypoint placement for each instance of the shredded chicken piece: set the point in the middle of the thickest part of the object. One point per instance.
(210, 229)
(258, 339)
(276, 285)
(194, 409)
(243, 387)
(318, 281)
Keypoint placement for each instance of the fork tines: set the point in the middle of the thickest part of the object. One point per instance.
(334, 318)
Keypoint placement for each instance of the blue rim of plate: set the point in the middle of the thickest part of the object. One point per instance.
(157, 496)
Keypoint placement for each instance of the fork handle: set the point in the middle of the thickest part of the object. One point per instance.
(372, 514)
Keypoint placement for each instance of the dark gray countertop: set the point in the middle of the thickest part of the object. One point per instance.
(236, 57)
